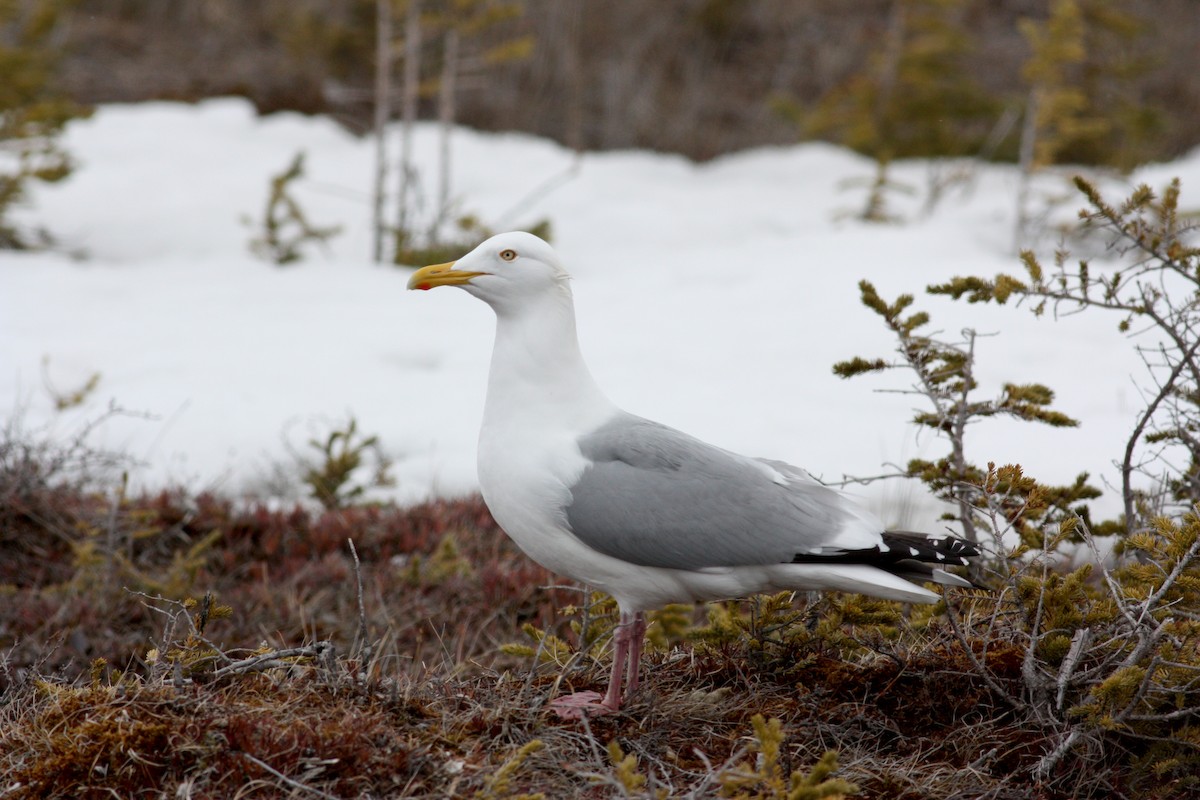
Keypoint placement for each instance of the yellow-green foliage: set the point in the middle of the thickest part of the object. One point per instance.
(188, 652)
(593, 626)
(1066, 603)
(1040, 514)
(1152, 293)
(1168, 547)
(595, 623)
(547, 648)
(191, 656)
(1112, 695)
(331, 480)
(669, 625)
(74, 398)
(1169, 769)
(285, 227)
(1060, 104)
(1105, 653)
(103, 562)
(762, 778)
(498, 786)
(1077, 70)
(591, 623)
(1122, 650)
(626, 769)
(913, 98)
(757, 622)
(65, 399)
(945, 373)
(775, 631)
(444, 563)
(32, 116)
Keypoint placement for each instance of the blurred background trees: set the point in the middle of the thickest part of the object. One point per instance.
(32, 111)
(891, 78)
(1036, 82)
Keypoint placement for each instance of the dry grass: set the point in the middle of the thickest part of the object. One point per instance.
(110, 685)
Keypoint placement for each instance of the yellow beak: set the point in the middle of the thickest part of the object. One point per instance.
(440, 275)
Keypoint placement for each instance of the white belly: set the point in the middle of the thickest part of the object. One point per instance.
(526, 483)
(527, 491)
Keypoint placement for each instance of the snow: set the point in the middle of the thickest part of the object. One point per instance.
(714, 298)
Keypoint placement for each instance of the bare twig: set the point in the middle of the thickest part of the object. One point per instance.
(365, 646)
(1079, 644)
(980, 669)
(1167, 387)
(274, 659)
(289, 781)
(1035, 687)
(1048, 762)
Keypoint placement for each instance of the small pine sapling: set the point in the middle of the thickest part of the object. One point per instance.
(1054, 108)
(444, 563)
(913, 98)
(1078, 108)
(499, 785)
(1155, 296)
(879, 188)
(332, 480)
(945, 380)
(669, 625)
(183, 650)
(286, 230)
(1109, 653)
(763, 778)
(778, 636)
(32, 116)
(626, 775)
(592, 623)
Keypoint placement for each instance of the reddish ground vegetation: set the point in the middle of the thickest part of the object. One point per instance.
(110, 686)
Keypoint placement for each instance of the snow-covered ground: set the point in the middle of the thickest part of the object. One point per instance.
(714, 298)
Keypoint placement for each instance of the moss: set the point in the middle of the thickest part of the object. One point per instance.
(913, 708)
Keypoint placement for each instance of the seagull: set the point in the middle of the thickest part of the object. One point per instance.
(641, 511)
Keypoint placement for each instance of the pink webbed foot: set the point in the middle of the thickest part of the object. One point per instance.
(627, 639)
(580, 704)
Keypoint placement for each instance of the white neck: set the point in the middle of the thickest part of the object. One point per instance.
(538, 374)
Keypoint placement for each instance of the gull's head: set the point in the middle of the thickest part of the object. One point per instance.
(502, 271)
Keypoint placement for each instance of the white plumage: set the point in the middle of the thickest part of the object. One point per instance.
(639, 510)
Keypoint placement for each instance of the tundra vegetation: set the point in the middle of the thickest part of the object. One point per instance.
(193, 645)
(176, 643)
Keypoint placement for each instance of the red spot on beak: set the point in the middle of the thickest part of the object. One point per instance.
(425, 287)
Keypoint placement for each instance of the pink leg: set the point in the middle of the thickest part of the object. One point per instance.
(621, 637)
(637, 638)
(627, 649)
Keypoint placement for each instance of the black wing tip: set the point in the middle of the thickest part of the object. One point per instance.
(943, 550)
(932, 548)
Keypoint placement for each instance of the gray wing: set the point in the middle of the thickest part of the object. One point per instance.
(657, 497)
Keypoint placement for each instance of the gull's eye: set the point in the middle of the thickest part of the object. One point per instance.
(508, 255)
